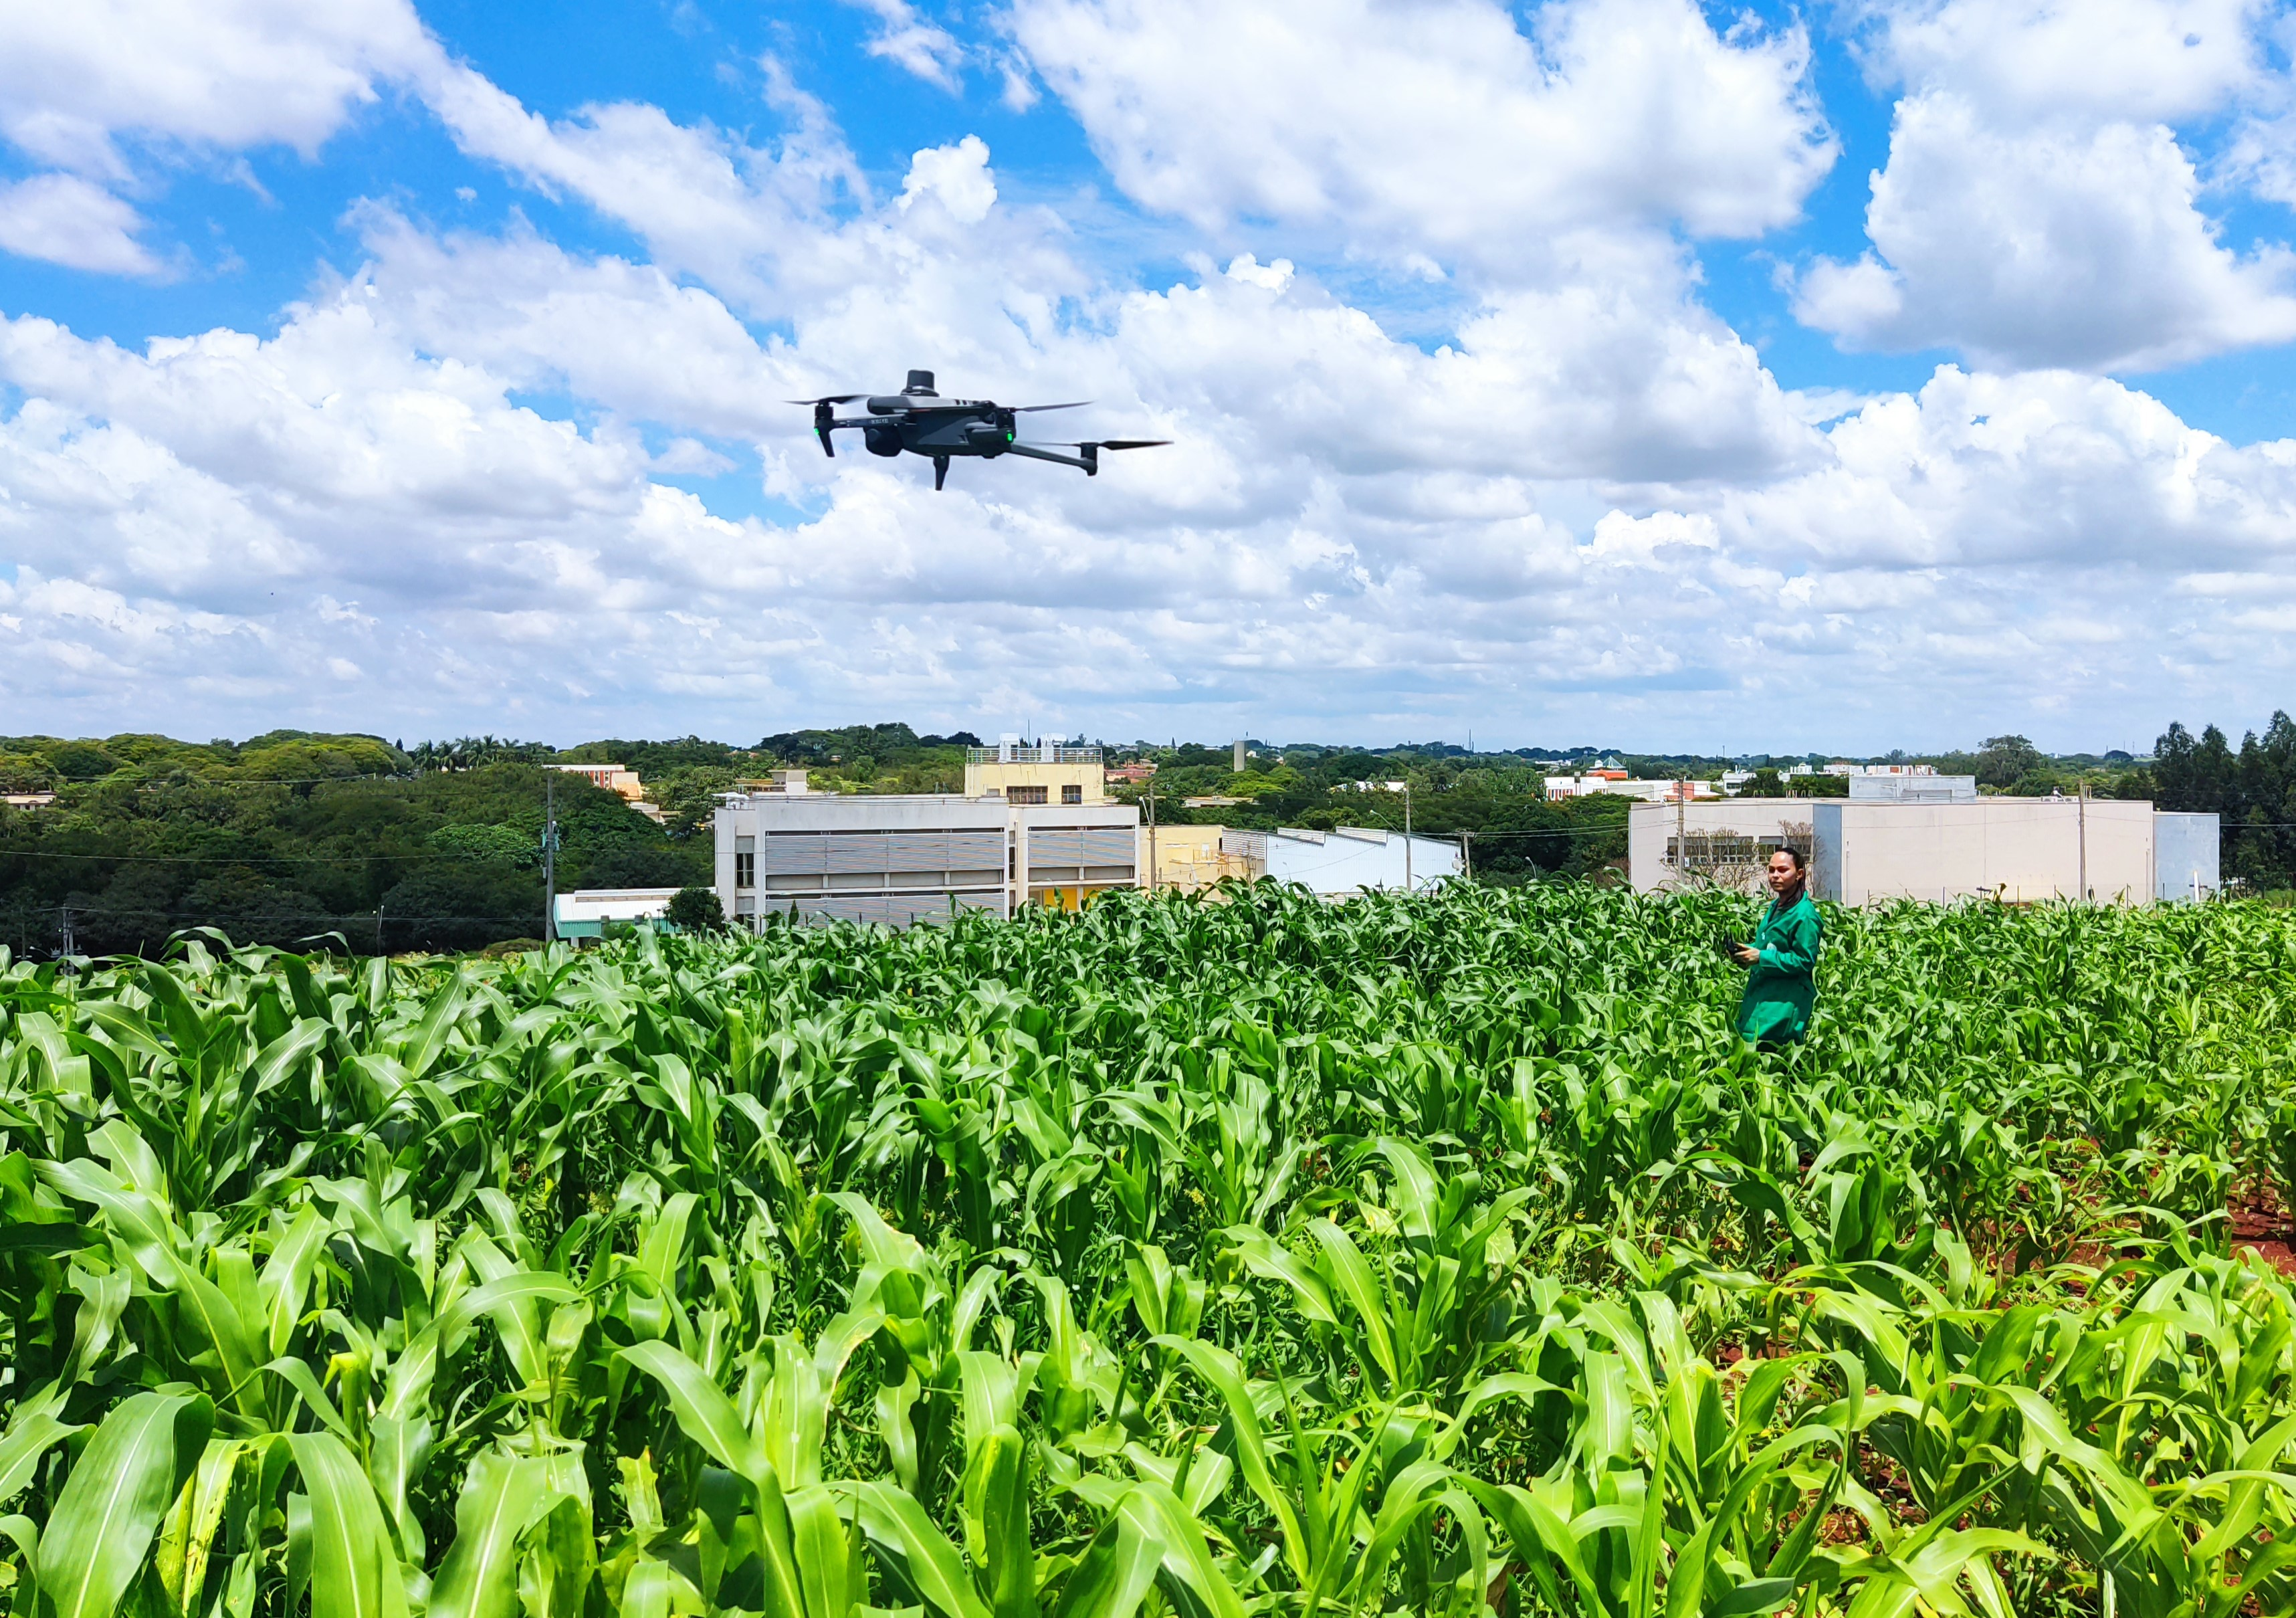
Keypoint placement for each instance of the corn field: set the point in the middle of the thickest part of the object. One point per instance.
(1440, 1256)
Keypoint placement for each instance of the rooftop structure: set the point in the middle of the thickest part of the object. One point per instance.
(1928, 787)
(1035, 774)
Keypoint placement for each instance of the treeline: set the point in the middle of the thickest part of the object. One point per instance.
(1498, 799)
(2252, 790)
(294, 837)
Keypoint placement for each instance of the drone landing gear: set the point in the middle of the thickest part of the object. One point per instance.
(941, 472)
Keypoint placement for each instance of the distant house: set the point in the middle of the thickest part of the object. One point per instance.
(28, 801)
(584, 913)
(613, 777)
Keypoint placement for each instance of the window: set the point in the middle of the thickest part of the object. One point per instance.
(1024, 794)
(745, 870)
(1072, 794)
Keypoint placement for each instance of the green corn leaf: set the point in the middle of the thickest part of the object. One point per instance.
(30, 1437)
(94, 1545)
(354, 1571)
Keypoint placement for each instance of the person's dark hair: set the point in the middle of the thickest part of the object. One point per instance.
(1802, 866)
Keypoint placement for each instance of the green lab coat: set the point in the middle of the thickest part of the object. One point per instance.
(1782, 985)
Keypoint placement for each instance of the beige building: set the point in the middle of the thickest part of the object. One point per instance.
(2025, 851)
(1190, 858)
(613, 777)
(1024, 775)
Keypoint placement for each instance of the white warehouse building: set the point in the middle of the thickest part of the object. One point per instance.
(1348, 861)
(2018, 849)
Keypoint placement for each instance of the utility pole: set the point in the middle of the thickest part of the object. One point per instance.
(1152, 833)
(1466, 856)
(2083, 812)
(1407, 886)
(69, 950)
(378, 926)
(550, 860)
(1682, 830)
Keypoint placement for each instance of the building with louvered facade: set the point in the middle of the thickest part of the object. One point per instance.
(901, 859)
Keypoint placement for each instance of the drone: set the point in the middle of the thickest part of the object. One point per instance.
(922, 421)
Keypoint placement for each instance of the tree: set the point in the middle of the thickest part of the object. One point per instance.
(695, 909)
(2006, 759)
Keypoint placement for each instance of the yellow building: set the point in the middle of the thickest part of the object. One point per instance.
(1189, 857)
(1034, 775)
(613, 777)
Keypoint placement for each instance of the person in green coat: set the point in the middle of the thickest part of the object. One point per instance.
(1781, 962)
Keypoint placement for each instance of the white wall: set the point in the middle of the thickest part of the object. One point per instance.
(1765, 822)
(2024, 849)
(2186, 848)
(1349, 861)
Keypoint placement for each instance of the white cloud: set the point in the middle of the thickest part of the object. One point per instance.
(65, 221)
(1440, 128)
(1593, 506)
(2045, 247)
(2106, 60)
(2038, 208)
(223, 73)
(956, 176)
(910, 43)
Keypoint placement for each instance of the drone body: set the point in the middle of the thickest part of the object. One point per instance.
(921, 422)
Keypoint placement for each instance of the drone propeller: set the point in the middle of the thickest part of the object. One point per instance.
(1073, 404)
(830, 398)
(1089, 444)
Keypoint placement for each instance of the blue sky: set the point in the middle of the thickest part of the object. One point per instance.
(1890, 372)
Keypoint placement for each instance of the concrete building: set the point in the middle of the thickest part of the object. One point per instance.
(1344, 861)
(613, 777)
(583, 915)
(1021, 775)
(900, 860)
(1724, 841)
(1616, 783)
(2024, 850)
(1929, 787)
(2185, 854)
(1862, 851)
(1189, 857)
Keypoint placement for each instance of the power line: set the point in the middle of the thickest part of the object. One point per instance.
(242, 859)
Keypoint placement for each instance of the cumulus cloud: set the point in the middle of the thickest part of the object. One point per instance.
(1443, 128)
(224, 73)
(2037, 208)
(2121, 61)
(483, 477)
(955, 176)
(2054, 246)
(65, 221)
(906, 39)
